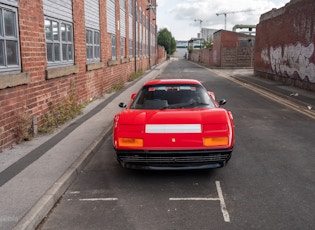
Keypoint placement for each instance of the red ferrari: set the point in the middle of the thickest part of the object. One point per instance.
(173, 124)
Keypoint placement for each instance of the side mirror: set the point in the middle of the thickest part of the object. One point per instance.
(122, 105)
(222, 102)
(212, 95)
(133, 96)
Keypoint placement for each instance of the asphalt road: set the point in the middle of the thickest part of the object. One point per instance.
(268, 183)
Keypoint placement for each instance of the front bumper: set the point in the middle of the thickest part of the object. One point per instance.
(173, 160)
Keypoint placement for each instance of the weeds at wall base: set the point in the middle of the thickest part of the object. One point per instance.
(136, 75)
(62, 112)
(23, 130)
(59, 114)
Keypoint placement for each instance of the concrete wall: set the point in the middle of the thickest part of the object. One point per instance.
(36, 88)
(285, 40)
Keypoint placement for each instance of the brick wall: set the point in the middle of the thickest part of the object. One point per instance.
(226, 51)
(161, 54)
(285, 40)
(33, 91)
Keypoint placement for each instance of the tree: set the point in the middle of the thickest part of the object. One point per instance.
(166, 39)
(208, 43)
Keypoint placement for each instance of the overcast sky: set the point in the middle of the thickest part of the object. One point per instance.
(182, 17)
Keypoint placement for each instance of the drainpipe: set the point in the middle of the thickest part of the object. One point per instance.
(134, 34)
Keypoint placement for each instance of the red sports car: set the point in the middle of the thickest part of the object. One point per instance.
(173, 124)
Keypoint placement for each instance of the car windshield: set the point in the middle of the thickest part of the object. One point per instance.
(172, 97)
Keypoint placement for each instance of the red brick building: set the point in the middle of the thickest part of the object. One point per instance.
(285, 40)
(53, 49)
(230, 49)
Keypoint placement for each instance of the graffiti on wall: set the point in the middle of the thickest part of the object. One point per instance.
(290, 60)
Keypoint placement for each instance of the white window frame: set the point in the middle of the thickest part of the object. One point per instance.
(92, 45)
(5, 66)
(58, 42)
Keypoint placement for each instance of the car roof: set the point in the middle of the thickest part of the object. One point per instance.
(172, 81)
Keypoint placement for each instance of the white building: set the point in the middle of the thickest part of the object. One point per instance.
(206, 33)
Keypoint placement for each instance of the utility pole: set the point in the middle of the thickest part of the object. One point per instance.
(150, 6)
(231, 12)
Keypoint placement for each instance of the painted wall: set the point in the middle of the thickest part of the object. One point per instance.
(284, 48)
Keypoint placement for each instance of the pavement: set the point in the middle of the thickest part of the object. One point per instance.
(35, 174)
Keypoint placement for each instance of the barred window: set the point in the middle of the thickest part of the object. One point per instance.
(92, 45)
(9, 41)
(59, 42)
(114, 47)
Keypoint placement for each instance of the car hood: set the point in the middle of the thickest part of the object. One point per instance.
(174, 116)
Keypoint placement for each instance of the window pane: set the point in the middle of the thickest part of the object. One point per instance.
(69, 33)
(9, 23)
(49, 51)
(55, 27)
(130, 6)
(114, 53)
(122, 4)
(97, 51)
(87, 36)
(96, 38)
(113, 40)
(48, 30)
(90, 37)
(57, 52)
(12, 54)
(70, 52)
(63, 32)
(90, 52)
(1, 28)
(1, 53)
(64, 52)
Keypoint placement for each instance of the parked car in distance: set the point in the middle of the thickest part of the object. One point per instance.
(173, 124)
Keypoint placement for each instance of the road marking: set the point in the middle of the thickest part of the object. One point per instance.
(222, 203)
(99, 199)
(220, 198)
(74, 192)
(194, 199)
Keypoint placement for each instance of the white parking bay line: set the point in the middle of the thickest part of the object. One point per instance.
(225, 213)
(222, 203)
(99, 199)
(194, 198)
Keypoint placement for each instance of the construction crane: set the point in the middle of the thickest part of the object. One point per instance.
(231, 12)
(200, 22)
